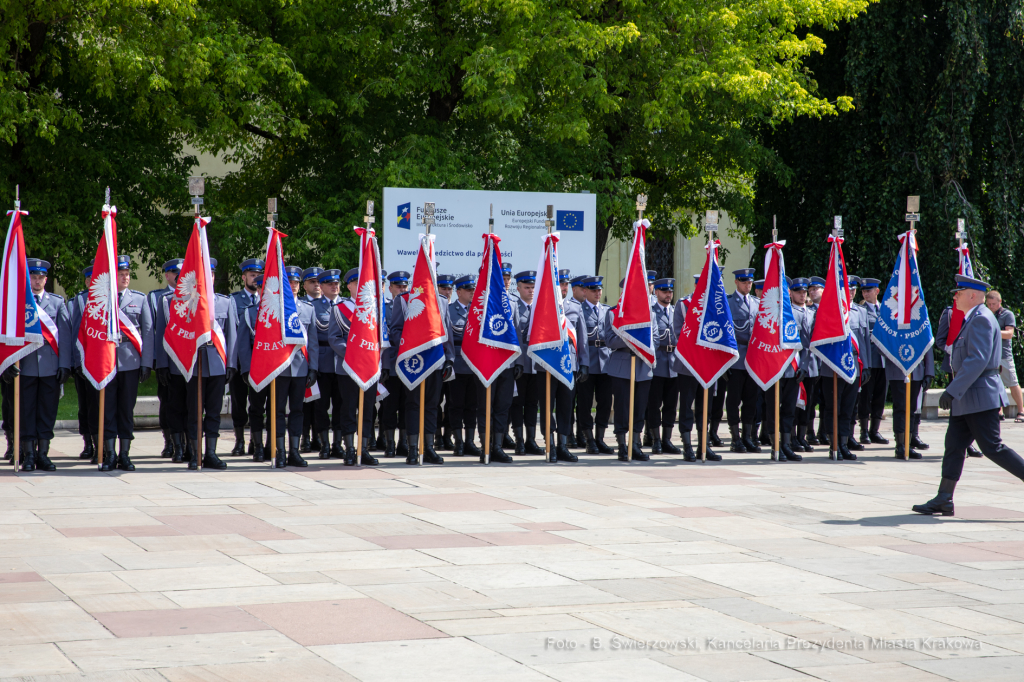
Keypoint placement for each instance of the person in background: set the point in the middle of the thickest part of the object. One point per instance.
(1007, 371)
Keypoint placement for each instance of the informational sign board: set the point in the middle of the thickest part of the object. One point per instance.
(460, 218)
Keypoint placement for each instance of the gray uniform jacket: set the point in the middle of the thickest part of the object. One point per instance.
(75, 313)
(521, 311)
(925, 368)
(593, 320)
(396, 322)
(331, 333)
(457, 315)
(664, 338)
(242, 300)
(618, 364)
(153, 297)
(942, 336)
(213, 366)
(44, 362)
(862, 348)
(241, 354)
(805, 323)
(678, 319)
(873, 310)
(976, 385)
(133, 303)
(744, 312)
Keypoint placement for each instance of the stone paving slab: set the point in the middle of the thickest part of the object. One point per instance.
(731, 572)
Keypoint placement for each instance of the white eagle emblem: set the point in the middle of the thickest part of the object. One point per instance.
(771, 303)
(99, 297)
(270, 304)
(893, 303)
(414, 305)
(186, 296)
(366, 310)
(712, 331)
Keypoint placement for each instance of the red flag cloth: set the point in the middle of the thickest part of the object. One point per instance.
(20, 330)
(419, 349)
(277, 335)
(489, 341)
(99, 332)
(191, 321)
(832, 322)
(365, 336)
(633, 320)
(706, 364)
(767, 354)
(956, 316)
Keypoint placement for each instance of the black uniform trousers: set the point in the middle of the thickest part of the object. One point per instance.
(872, 395)
(463, 404)
(239, 400)
(788, 391)
(661, 403)
(641, 392)
(119, 406)
(897, 388)
(561, 403)
(39, 398)
(525, 404)
(599, 387)
(161, 396)
(432, 397)
(805, 416)
(742, 388)
(501, 401)
(309, 416)
(88, 407)
(290, 393)
(691, 402)
(445, 405)
(259, 409)
(348, 410)
(7, 407)
(847, 394)
(213, 401)
(330, 394)
(392, 408)
(177, 403)
(983, 428)
(716, 401)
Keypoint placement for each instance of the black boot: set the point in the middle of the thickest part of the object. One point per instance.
(325, 444)
(973, 451)
(124, 462)
(506, 441)
(530, 447)
(366, 459)
(389, 443)
(825, 438)
(599, 440)
(941, 503)
(765, 438)
(518, 444)
(709, 454)
(900, 451)
(656, 448)
(350, 450)
(588, 435)
(446, 439)
(94, 458)
(380, 442)
(413, 458)
(801, 439)
(620, 440)
(562, 453)
(497, 453)
(688, 454)
(316, 442)
(457, 450)
(86, 452)
(338, 449)
(42, 456)
(28, 454)
(304, 444)
(666, 441)
(403, 447)
(713, 438)
(109, 455)
(811, 438)
(738, 445)
(647, 437)
(638, 454)
(252, 446)
(748, 441)
(210, 459)
(845, 453)
(916, 442)
(177, 448)
(239, 448)
(280, 455)
(787, 449)
(468, 446)
(193, 454)
(429, 455)
(852, 443)
(167, 450)
(294, 458)
(581, 440)
(258, 453)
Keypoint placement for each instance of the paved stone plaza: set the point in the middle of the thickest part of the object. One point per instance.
(667, 571)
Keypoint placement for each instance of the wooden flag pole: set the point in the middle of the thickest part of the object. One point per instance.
(487, 392)
(777, 450)
(704, 429)
(17, 418)
(273, 422)
(359, 429)
(428, 221)
(710, 226)
(906, 421)
(99, 439)
(199, 411)
(834, 450)
(632, 386)
(549, 223)
(913, 216)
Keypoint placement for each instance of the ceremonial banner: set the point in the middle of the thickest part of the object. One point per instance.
(633, 320)
(776, 337)
(279, 334)
(831, 340)
(365, 335)
(20, 330)
(99, 332)
(191, 308)
(707, 342)
(548, 338)
(490, 343)
(956, 316)
(421, 349)
(903, 331)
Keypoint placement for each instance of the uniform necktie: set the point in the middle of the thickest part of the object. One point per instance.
(38, 299)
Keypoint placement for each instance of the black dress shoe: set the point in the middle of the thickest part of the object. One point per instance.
(562, 453)
(812, 439)
(973, 451)
(430, 456)
(916, 442)
(846, 454)
(366, 459)
(712, 456)
(530, 447)
(852, 444)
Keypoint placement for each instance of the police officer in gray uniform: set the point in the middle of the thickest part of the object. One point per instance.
(463, 389)
(941, 338)
(88, 397)
(42, 372)
(171, 270)
(598, 386)
(311, 292)
(872, 392)
(330, 366)
(664, 397)
(618, 368)
(742, 388)
(691, 399)
(862, 332)
(920, 378)
(527, 401)
(809, 365)
(974, 396)
(248, 295)
(789, 384)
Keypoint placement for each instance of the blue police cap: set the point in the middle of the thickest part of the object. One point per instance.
(652, 275)
(696, 277)
(965, 282)
(527, 276)
(311, 273)
(799, 284)
(124, 262)
(399, 277)
(254, 264)
(595, 282)
(759, 284)
(37, 265)
(869, 283)
(578, 280)
(330, 276)
(259, 280)
(174, 264)
(853, 281)
(351, 275)
(213, 263)
(665, 284)
(466, 282)
(563, 275)
(87, 273)
(817, 282)
(506, 268)
(445, 280)
(744, 274)
(293, 272)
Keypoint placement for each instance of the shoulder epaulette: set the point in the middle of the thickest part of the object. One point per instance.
(137, 292)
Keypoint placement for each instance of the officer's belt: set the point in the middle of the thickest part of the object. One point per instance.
(325, 343)
(989, 373)
(598, 344)
(666, 349)
(458, 343)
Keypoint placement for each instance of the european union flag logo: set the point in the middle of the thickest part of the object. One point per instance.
(404, 221)
(569, 221)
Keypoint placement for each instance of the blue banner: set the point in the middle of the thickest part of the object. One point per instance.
(716, 328)
(905, 345)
